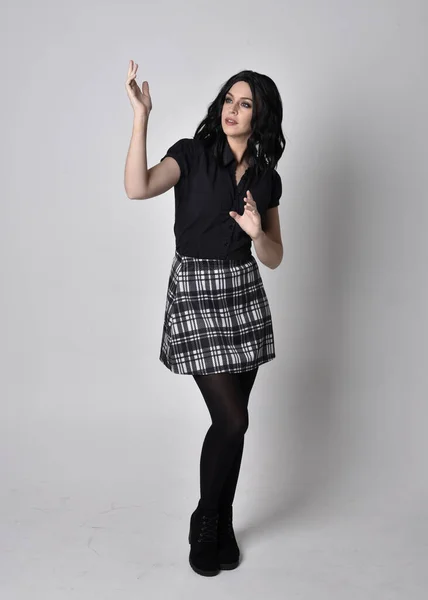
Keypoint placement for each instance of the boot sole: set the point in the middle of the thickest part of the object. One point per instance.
(229, 566)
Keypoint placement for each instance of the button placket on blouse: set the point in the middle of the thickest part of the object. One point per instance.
(238, 195)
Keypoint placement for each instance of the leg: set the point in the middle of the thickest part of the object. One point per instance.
(227, 494)
(227, 405)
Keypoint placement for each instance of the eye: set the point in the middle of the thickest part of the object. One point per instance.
(244, 103)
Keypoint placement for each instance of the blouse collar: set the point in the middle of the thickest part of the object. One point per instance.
(228, 155)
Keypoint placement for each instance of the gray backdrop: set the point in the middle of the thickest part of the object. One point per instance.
(100, 442)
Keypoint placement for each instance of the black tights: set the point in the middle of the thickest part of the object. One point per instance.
(226, 396)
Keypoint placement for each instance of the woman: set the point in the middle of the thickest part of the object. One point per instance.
(217, 324)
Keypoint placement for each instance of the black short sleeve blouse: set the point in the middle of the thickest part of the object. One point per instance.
(204, 195)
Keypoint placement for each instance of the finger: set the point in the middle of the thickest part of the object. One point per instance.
(132, 68)
(251, 208)
(131, 77)
(250, 202)
(131, 73)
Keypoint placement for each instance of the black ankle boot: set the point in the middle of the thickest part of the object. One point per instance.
(228, 550)
(203, 541)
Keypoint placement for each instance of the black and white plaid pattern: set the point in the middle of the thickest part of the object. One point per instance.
(217, 317)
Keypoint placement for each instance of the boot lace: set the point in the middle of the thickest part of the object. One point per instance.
(208, 531)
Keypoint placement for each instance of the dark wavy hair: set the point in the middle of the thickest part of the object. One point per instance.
(267, 142)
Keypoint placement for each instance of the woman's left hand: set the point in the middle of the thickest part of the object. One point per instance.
(250, 220)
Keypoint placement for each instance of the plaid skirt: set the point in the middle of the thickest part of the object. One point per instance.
(217, 317)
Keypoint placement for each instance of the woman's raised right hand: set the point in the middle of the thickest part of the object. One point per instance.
(140, 99)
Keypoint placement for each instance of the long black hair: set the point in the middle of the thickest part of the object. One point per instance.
(267, 142)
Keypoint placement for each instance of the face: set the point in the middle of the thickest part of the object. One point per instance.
(238, 105)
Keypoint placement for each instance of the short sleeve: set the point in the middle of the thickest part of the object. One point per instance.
(276, 190)
(183, 151)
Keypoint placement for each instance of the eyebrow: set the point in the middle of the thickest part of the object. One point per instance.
(242, 97)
